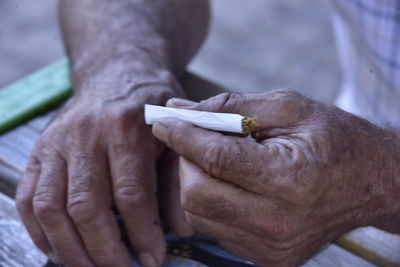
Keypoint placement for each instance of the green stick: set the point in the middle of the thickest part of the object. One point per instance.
(34, 94)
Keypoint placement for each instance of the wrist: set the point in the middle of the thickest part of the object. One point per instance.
(390, 176)
(125, 79)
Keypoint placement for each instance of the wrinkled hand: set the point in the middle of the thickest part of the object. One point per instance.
(96, 155)
(314, 173)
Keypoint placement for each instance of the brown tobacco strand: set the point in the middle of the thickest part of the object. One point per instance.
(249, 125)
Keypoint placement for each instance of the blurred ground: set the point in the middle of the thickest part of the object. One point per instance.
(253, 45)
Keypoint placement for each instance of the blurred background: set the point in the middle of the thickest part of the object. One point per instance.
(252, 46)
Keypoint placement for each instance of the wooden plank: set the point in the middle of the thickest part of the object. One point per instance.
(336, 256)
(379, 247)
(9, 179)
(16, 145)
(16, 247)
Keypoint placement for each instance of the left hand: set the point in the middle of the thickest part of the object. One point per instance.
(314, 173)
(97, 156)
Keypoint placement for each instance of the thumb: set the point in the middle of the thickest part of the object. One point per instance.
(278, 108)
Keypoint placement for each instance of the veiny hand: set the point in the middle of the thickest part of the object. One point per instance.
(314, 173)
(96, 155)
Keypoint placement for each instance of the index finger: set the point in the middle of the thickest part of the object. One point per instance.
(234, 159)
(273, 109)
(89, 205)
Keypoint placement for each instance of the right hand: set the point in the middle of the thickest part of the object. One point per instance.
(313, 173)
(97, 154)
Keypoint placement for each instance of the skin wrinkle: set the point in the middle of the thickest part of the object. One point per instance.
(132, 89)
(219, 208)
(213, 159)
(233, 231)
(48, 172)
(327, 183)
(122, 88)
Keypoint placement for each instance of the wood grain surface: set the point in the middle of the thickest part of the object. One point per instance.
(16, 248)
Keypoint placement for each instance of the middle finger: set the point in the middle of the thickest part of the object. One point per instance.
(223, 202)
(89, 205)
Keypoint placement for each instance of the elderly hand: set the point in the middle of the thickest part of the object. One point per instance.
(96, 155)
(314, 173)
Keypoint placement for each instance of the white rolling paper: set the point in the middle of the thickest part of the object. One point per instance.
(224, 122)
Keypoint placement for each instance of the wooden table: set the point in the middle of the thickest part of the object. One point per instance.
(16, 248)
(363, 247)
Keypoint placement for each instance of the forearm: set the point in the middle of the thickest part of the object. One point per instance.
(112, 41)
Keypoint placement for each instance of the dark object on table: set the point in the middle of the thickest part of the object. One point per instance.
(49, 263)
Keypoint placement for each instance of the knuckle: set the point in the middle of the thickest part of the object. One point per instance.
(34, 163)
(285, 98)
(123, 117)
(224, 156)
(117, 114)
(284, 93)
(23, 201)
(131, 195)
(81, 208)
(103, 256)
(284, 232)
(294, 105)
(214, 159)
(44, 208)
(223, 102)
(167, 77)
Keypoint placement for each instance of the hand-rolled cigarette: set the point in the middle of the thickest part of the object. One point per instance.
(224, 122)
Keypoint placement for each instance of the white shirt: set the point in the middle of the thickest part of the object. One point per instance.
(368, 39)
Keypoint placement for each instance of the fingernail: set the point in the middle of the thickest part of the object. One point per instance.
(186, 229)
(160, 128)
(180, 102)
(147, 260)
